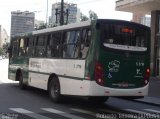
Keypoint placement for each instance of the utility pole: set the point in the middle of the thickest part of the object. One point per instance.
(47, 15)
(61, 14)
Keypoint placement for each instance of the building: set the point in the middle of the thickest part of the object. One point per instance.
(144, 7)
(71, 14)
(145, 20)
(4, 38)
(22, 22)
(38, 24)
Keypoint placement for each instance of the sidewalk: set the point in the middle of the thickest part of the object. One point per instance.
(153, 97)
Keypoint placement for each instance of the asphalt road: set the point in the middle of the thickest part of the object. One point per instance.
(154, 88)
(35, 104)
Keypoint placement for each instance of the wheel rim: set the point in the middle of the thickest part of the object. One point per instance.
(20, 80)
(54, 90)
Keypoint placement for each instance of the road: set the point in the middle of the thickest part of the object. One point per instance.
(35, 104)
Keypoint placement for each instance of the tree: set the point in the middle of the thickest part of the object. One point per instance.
(83, 17)
(92, 15)
(5, 48)
(1, 51)
(41, 26)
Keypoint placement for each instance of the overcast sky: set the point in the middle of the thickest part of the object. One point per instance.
(103, 8)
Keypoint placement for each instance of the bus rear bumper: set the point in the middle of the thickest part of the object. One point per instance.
(97, 90)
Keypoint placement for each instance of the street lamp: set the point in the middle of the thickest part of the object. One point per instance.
(56, 8)
(61, 14)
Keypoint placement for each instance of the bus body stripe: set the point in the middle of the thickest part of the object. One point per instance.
(70, 77)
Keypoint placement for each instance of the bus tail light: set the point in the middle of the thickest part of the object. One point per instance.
(99, 74)
(147, 75)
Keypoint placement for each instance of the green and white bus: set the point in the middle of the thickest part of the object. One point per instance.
(95, 59)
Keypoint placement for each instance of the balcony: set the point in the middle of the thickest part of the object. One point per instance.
(140, 6)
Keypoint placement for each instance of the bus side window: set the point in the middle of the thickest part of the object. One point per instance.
(23, 46)
(15, 48)
(36, 38)
(31, 47)
(55, 44)
(40, 46)
(48, 46)
(27, 45)
(86, 37)
(71, 44)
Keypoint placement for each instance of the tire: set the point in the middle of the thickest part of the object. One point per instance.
(54, 90)
(21, 84)
(98, 99)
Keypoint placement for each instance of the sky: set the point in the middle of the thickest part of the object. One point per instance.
(103, 8)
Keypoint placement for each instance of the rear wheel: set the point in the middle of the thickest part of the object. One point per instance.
(98, 99)
(54, 90)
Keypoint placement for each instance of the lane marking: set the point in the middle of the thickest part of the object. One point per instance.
(64, 114)
(29, 113)
(135, 111)
(151, 110)
(84, 111)
(141, 114)
(108, 111)
(8, 81)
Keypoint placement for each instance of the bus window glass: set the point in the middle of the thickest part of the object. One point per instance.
(40, 46)
(15, 48)
(122, 35)
(86, 35)
(49, 48)
(71, 44)
(54, 48)
(41, 41)
(31, 47)
(21, 43)
(22, 48)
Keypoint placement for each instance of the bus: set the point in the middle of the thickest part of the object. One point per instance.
(95, 59)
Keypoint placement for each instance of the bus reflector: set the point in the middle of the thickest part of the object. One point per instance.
(88, 77)
(99, 74)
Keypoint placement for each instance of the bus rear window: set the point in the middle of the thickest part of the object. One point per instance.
(125, 37)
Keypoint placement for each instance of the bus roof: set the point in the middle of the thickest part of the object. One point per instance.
(64, 27)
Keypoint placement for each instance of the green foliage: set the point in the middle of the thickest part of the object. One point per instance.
(41, 26)
(4, 49)
(1, 51)
(92, 15)
(84, 17)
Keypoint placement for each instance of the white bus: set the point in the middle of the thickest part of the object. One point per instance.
(82, 59)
